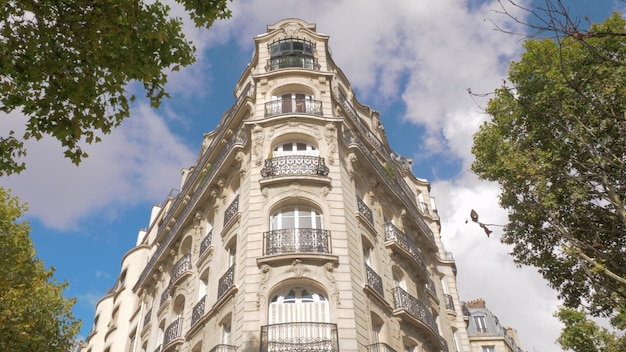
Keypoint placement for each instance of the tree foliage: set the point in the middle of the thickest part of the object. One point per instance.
(580, 334)
(65, 64)
(556, 147)
(34, 315)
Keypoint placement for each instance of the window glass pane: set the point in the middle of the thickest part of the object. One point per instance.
(285, 47)
(308, 48)
(301, 147)
(299, 46)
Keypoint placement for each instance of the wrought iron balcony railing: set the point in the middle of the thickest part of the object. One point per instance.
(287, 241)
(414, 307)
(295, 165)
(299, 337)
(224, 348)
(379, 347)
(430, 286)
(365, 210)
(232, 209)
(374, 281)
(206, 242)
(182, 265)
(147, 317)
(293, 105)
(164, 297)
(297, 61)
(226, 282)
(449, 302)
(198, 311)
(173, 331)
(392, 233)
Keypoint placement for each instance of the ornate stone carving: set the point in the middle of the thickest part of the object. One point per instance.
(243, 166)
(291, 29)
(258, 135)
(297, 268)
(330, 132)
(352, 159)
(267, 272)
(330, 268)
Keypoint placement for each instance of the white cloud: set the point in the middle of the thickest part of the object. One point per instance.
(137, 162)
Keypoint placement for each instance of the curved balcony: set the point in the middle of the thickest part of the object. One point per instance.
(412, 308)
(293, 106)
(299, 337)
(395, 237)
(182, 266)
(292, 61)
(288, 241)
(173, 334)
(295, 165)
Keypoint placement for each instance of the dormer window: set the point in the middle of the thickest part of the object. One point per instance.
(291, 52)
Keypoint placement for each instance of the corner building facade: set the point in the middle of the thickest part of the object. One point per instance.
(298, 229)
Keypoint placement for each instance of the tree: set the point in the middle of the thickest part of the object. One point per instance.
(583, 335)
(34, 315)
(66, 64)
(556, 147)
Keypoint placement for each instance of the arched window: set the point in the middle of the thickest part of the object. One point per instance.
(296, 217)
(295, 148)
(298, 304)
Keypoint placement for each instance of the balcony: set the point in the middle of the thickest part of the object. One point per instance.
(182, 266)
(411, 307)
(173, 333)
(287, 241)
(232, 209)
(226, 282)
(295, 61)
(147, 318)
(206, 243)
(365, 211)
(397, 238)
(379, 347)
(293, 106)
(299, 337)
(374, 281)
(198, 311)
(223, 348)
(449, 302)
(295, 165)
(164, 297)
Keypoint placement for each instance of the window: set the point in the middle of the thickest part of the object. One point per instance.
(488, 348)
(298, 217)
(202, 285)
(291, 52)
(481, 323)
(226, 333)
(298, 304)
(123, 279)
(295, 148)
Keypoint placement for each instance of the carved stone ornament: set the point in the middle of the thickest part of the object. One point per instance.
(330, 132)
(298, 268)
(291, 29)
(258, 135)
(352, 159)
(267, 272)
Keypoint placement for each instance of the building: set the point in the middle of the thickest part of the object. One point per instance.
(298, 229)
(485, 332)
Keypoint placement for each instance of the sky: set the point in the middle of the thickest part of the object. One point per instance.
(413, 61)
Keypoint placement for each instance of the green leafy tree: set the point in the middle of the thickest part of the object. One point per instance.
(66, 64)
(556, 147)
(580, 334)
(34, 315)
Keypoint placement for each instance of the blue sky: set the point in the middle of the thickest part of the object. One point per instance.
(411, 60)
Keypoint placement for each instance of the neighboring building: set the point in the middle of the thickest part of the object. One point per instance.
(485, 332)
(298, 229)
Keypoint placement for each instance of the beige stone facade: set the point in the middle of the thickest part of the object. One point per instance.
(298, 229)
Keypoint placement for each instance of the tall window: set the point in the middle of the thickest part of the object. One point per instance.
(226, 333)
(489, 348)
(298, 217)
(298, 304)
(481, 323)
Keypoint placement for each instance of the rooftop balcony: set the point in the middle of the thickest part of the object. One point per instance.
(287, 241)
(293, 106)
(293, 61)
(295, 165)
(299, 337)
